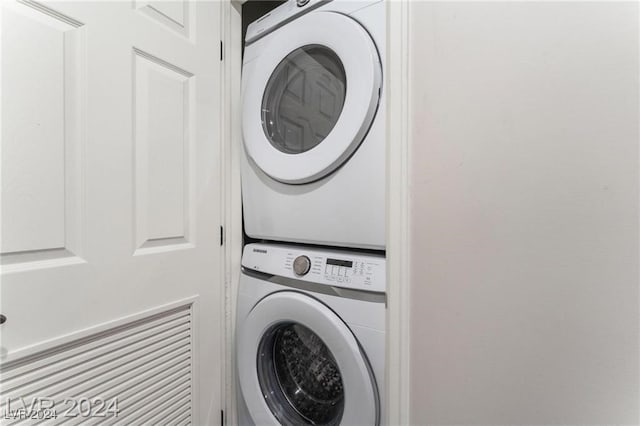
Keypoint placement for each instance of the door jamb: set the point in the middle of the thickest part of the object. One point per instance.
(232, 204)
(398, 239)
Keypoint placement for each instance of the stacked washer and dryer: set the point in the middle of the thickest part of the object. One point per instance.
(312, 295)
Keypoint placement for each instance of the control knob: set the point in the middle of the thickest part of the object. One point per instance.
(301, 265)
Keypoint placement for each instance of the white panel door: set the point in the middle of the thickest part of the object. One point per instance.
(110, 207)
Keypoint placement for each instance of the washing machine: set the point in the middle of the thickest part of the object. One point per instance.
(313, 121)
(310, 342)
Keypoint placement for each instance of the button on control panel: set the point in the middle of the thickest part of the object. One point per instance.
(349, 271)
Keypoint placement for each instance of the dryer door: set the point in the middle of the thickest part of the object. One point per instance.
(300, 364)
(310, 96)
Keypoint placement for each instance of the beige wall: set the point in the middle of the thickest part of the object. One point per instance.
(524, 213)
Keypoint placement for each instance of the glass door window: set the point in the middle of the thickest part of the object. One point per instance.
(299, 377)
(303, 99)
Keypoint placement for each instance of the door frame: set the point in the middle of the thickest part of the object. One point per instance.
(231, 54)
(396, 77)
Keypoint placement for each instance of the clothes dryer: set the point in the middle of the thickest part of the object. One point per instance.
(313, 166)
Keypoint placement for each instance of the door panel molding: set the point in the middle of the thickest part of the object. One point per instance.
(163, 125)
(175, 15)
(43, 136)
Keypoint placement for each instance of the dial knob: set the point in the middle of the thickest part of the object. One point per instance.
(301, 265)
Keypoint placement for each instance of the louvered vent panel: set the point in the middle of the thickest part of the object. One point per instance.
(143, 368)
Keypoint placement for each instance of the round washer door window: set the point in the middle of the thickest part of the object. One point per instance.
(298, 370)
(299, 364)
(303, 99)
(310, 94)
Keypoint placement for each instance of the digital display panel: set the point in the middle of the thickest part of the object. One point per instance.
(337, 262)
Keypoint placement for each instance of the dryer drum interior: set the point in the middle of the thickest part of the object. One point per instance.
(303, 99)
(299, 376)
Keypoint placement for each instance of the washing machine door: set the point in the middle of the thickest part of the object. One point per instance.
(310, 96)
(299, 364)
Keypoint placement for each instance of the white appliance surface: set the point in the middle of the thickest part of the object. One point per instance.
(283, 287)
(313, 167)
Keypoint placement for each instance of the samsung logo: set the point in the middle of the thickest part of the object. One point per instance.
(256, 250)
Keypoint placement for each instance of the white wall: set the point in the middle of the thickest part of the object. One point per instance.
(524, 213)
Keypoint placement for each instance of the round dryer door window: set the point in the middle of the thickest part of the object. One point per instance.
(299, 363)
(309, 96)
(303, 99)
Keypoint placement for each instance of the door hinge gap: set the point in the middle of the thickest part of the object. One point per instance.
(221, 235)
(221, 51)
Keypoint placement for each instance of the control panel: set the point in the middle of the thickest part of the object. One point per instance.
(337, 268)
(281, 14)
